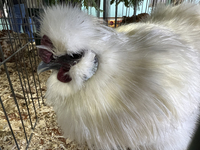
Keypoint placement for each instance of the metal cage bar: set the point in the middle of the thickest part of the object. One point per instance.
(24, 57)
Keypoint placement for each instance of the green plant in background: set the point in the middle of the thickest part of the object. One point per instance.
(86, 3)
(52, 2)
(92, 3)
(127, 3)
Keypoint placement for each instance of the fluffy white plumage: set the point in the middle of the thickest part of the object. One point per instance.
(145, 93)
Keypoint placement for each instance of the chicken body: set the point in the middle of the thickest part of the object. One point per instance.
(135, 87)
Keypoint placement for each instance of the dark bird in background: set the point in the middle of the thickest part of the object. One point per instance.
(137, 86)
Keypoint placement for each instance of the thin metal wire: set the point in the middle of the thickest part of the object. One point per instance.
(13, 93)
(14, 54)
(146, 6)
(20, 71)
(129, 11)
(16, 63)
(19, 63)
(98, 11)
(34, 57)
(142, 6)
(9, 124)
(29, 141)
(122, 9)
(7, 59)
(126, 11)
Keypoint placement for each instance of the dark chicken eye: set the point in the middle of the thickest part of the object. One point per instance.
(54, 57)
(76, 56)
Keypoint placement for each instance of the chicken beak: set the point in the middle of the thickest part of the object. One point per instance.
(44, 67)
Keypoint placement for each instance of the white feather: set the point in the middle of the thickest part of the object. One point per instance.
(146, 91)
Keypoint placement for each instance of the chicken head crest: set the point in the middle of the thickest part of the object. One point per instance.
(136, 86)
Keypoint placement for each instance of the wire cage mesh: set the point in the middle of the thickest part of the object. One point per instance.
(21, 89)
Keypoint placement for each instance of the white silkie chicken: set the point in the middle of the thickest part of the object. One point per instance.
(135, 87)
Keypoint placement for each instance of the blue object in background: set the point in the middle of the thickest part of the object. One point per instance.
(19, 20)
(16, 17)
(28, 28)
